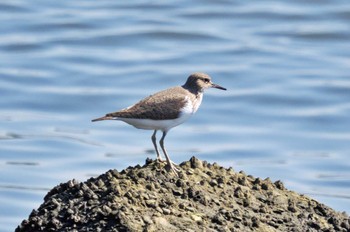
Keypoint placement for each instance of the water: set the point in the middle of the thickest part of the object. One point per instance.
(285, 114)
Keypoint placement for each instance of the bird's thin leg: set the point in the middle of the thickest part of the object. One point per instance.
(154, 140)
(170, 163)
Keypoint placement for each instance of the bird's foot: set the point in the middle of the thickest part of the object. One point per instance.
(171, 167)
(164, 161)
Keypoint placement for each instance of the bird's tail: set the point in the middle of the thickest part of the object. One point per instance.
(102, 118)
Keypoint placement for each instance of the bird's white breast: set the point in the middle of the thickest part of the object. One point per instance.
(197, 102)
(186, 112)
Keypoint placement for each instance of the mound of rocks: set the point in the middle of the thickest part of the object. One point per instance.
(204, 197)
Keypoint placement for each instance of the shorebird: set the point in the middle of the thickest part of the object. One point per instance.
(165, 110)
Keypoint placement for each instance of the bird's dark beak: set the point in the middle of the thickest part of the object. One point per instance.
(217, 86)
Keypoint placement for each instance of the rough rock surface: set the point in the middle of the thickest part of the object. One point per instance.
(205, 197)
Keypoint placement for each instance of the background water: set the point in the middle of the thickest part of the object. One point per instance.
(285, 114)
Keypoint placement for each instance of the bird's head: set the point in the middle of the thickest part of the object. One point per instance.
(200, 81)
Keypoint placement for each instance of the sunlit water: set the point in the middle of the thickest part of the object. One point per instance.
(285, 114)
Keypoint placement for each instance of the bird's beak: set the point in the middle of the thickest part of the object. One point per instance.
(217, 86)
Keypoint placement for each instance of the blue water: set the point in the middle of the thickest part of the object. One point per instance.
(285, 114)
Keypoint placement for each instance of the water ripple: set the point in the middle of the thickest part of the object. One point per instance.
(285, 65)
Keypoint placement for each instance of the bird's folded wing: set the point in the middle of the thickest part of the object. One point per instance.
(159, 108)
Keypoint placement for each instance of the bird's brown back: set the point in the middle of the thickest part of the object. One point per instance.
(163, 105)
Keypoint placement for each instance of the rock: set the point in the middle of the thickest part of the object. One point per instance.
(151, 203)
(166, 211)
(163, 224)
(196, 163)
(205, 197)
(147, 219)
(196, 218)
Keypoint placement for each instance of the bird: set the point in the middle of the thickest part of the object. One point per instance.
(165, 109)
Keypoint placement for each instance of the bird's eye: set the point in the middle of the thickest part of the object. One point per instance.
(206, 80)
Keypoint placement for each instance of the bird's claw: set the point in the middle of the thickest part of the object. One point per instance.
(163, 161)
(172, 168)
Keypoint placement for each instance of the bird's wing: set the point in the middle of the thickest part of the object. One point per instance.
(160, 106)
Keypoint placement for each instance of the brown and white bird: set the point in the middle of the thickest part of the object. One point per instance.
(165, 110)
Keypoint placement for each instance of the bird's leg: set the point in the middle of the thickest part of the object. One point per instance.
(169, 162)
(159, 158)
(154, 140)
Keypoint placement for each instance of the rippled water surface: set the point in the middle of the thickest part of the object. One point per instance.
(285, 114)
